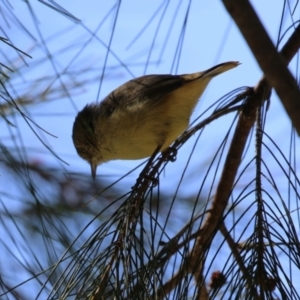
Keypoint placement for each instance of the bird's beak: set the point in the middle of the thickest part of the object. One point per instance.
(93, 169)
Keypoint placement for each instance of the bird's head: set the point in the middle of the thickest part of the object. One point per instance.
(85, 139)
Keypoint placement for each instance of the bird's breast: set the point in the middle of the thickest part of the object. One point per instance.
(137, 136)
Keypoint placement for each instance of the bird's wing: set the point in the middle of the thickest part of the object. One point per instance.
(153, 88)
(150, 89)
(145, 90)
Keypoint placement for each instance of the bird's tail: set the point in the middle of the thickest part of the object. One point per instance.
(221, 68)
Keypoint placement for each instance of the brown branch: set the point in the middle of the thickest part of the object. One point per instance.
(255, 98)
(193, 263)
(219, 203)
(167, 287)
(292, 46)
(234, 247)
(270, 61)
(245, 122)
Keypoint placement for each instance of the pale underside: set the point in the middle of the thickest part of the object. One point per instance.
(138, 131)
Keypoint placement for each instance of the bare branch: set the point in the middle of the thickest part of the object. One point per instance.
(246, 120)
(270, 61)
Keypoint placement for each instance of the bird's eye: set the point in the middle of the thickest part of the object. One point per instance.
(89, 126)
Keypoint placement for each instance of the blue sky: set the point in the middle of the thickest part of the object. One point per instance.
(210, 38)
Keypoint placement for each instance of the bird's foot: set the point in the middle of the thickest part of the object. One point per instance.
(171, 154)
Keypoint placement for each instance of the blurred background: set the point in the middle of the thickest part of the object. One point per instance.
(55, 57)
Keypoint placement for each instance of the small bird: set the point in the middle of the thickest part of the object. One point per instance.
(142, 115)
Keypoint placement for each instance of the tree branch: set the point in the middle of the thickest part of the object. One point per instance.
(270, 61)
(246, 120)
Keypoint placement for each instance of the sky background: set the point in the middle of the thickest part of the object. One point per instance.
(70, 60)
(210, 38)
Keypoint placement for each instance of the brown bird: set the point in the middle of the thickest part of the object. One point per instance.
(140, 116)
